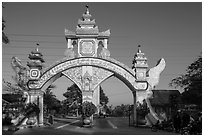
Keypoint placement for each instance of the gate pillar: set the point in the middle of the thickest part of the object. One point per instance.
(36, 96)
(134, 108)
(40, 122)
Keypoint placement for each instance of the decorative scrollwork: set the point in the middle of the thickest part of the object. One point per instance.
(75, 75)
(108, 65)
(22, 73)
(99, 75)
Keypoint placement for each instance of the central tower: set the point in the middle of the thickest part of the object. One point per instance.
(85, 41)
(87, 38)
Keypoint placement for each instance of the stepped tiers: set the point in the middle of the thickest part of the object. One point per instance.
(36, 55)
(87, 26)
(36, 59)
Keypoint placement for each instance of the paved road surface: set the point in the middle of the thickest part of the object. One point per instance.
(102, 126)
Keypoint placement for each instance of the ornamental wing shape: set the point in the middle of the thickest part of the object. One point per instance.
(155, 72)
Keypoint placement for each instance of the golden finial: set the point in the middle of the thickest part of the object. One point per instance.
(139, 49)
(37, 46)
(87, 9)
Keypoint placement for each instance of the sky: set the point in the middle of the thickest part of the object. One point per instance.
(169, 30)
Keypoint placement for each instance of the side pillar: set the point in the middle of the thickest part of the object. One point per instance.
(36, 96)
(134, 108)
(40, 120)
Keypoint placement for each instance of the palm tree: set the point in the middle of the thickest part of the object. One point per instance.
(49, 98)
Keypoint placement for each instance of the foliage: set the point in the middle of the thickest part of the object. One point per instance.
(88, 109)
(31, 109)
(13, 98)
(73, 99)
(121, 110)
(109, 110)
(174, 103)
(142, 109)
(12, 88)
(125, 110)
(73, 95)
(14, 95)
(4, 37)
(191, 82)
(103, 97)
(50, 101)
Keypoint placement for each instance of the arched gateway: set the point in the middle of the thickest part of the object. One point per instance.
(88, 67)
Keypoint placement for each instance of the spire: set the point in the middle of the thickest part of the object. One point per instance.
(140, 60)
(86, 25)
(86, 16)
(139, 49)
(140, 55)
(37, 46)
(87, 9)
(35, 56)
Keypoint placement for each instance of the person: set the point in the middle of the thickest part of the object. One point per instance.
(177, 121)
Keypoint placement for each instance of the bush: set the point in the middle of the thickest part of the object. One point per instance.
(30, 109)
(88, 109)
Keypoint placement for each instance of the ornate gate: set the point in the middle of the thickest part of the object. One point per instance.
(89, 67)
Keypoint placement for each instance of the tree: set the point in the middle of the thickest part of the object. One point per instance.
(142, 109)
(50, 101)
(4, 37)
(121, 110)
(73, 99)
(191, 82)
(12, 88)
(88, 109)
(103, 97)
(15, 95)
(73, 94)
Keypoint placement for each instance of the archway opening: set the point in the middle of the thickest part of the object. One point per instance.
(62, 84)
(59, 102)
(120, 97)
(117, 92)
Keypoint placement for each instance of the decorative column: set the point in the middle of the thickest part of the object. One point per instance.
(86, 38)
(69, 43)
(105, 43)
(40, 120)
(36, 96)
(134, 109)
(140, 67)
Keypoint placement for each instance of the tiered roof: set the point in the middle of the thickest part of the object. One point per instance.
(140, 60)
(87, 26)
(36, 59)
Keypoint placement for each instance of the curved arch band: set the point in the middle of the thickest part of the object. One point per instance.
(110, 65)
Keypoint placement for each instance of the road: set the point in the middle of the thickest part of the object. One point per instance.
(102, 126)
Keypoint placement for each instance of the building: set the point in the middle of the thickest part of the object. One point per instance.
(165, 101)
